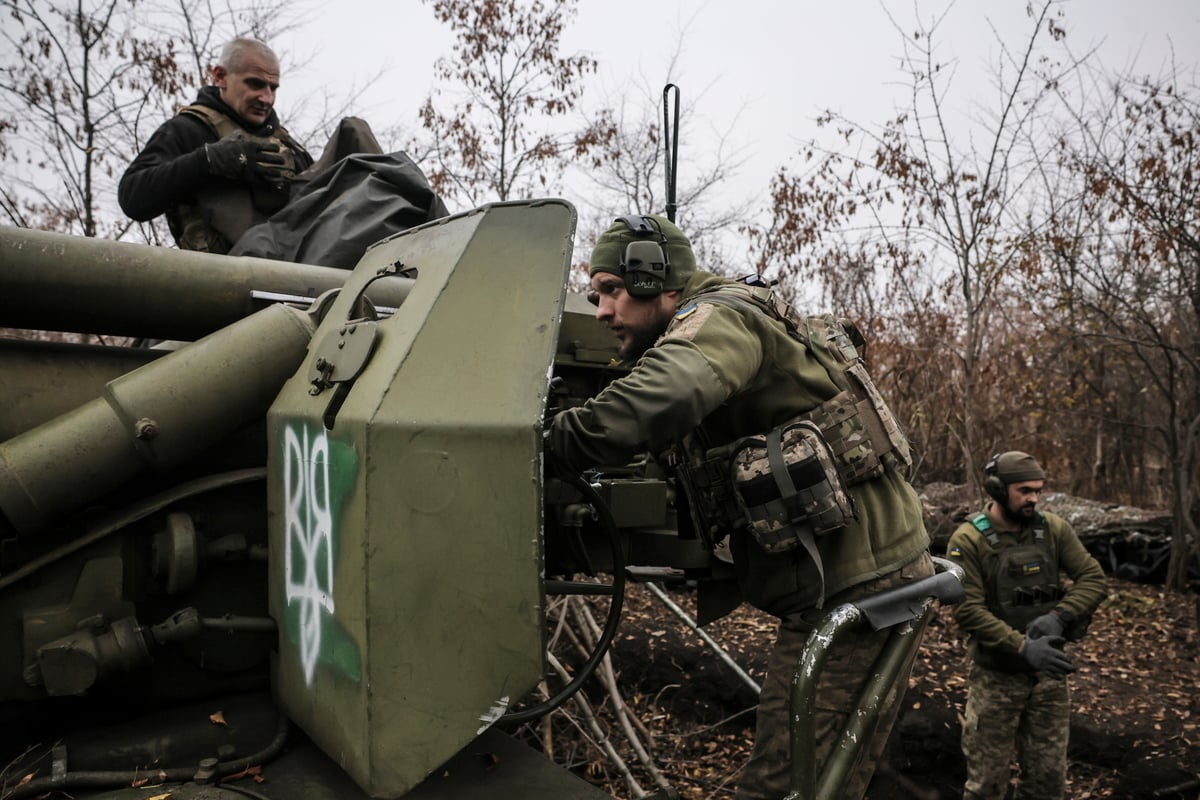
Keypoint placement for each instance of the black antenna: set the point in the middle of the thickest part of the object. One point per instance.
(672, 146)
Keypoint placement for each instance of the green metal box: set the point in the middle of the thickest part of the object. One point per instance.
(405, 495)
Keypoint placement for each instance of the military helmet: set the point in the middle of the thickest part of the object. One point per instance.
(649, 252)
(1011, 467)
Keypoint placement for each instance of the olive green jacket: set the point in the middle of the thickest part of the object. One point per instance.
(970, 549)
(723, 373)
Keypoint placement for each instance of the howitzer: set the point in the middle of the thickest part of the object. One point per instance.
(312, 541)
(68, 283)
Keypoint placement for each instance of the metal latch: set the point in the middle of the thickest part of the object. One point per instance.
(342, 354)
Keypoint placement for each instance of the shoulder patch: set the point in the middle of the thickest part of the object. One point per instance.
(954, 552)
(686, 312)
(688, 321)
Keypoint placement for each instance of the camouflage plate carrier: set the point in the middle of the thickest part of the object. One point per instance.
(790, 485)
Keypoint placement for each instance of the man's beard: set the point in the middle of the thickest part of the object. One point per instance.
(638, 344)
(1022, 515)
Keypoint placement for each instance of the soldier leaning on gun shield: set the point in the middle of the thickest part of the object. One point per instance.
(721, 374)
(1018, 616)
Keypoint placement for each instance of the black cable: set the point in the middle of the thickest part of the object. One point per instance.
(614, 610)
(106, 779)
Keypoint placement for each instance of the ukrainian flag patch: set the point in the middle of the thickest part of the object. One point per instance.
(688, 321)
(686, 312)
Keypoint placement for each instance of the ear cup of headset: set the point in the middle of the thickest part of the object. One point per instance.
(642, 255)
(996, 488)
(644, 268)
(642, 284)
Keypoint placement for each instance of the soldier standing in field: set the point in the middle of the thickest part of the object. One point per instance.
(1018, 617)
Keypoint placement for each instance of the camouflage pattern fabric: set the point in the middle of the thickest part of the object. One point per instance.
(1014, 708)
(847, 669)
(1031, 711)
(843, 421)
(858, 424)
(828, 336)
(718, 374)
(732, 376)
(802, 494)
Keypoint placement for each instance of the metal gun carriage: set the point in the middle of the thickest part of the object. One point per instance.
(311, 538)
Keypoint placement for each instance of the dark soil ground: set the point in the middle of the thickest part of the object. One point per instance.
(1136, 699)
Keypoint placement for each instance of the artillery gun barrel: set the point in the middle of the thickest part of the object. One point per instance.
(56, 282)
(152, 419)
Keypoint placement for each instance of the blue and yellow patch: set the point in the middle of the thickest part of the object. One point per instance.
(1031, 568)
(688, 321)
(686, 311)
(954, 552)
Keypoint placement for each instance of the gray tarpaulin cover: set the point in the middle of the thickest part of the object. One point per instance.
(334, 217)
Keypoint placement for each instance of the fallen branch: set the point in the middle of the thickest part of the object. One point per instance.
(708, 640)
(1179, 788)
(625, 717)
(601, 738)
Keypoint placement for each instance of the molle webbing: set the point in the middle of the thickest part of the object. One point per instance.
(1023, 581)
(857, 422)
(709, 489)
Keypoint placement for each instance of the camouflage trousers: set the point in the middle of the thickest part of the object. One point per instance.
(847, 669)
(1015, 710)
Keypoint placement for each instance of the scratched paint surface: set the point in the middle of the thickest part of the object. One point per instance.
(318, 474)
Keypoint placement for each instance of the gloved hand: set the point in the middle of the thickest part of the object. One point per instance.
(1046, 625)
(1044, 655)
(242, 158)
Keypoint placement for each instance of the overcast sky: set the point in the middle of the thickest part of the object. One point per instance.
(758, 70)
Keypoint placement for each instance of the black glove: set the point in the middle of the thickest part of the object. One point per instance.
(1046, 625)
(1044, 655)
(242, 158)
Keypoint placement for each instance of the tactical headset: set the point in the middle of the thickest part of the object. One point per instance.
(996, 488)
(644, 264)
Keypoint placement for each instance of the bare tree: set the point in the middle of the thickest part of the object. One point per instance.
(627, 171)
(71, 79)
(198, 30)
(82, 87)
(1123, 251)
(925, 218)
(506, 75)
